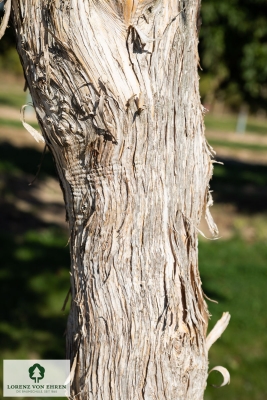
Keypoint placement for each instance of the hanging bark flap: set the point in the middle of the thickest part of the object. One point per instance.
(225, 374)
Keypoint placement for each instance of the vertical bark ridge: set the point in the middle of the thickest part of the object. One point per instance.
(115, 88)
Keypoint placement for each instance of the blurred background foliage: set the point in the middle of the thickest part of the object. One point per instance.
(34, 270)
(9, 59)
(233, 52)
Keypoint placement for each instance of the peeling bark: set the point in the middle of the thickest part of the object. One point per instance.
(115, 89)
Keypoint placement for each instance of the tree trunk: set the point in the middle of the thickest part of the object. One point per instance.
(115, 89)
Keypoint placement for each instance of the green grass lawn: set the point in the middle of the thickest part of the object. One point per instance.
(241, 184)
(15, 123)
(237, 145)
(235, 274)
(34, 283)
(227, 123)
(13, 98)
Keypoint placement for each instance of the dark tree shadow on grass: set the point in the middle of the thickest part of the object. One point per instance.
(241, 184)
(34, 261)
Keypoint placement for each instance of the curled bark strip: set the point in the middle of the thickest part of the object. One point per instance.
(71, 375)
(225, 374)
(213, 301)
(5, 20)
(217, 162)
(218, 330)
(199, 231)
(211, 224)
(203, 234)
(39, 168)
(35, 134)
(66, 300)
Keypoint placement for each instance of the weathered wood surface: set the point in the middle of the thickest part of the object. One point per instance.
(115, 88)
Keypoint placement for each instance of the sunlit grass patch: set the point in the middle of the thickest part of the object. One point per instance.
(15, 123)
(13, 98)
(228, 122)
(234, 273)
(238, 145)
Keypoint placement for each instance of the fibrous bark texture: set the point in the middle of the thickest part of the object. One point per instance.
(115, 89)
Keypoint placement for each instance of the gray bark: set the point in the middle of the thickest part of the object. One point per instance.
(115, 89)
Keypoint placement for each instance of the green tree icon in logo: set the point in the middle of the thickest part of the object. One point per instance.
(36, 372)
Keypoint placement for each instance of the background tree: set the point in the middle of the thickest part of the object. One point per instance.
(115, 88)
(233, 51)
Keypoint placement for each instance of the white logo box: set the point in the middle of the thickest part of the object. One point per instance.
(36, 378)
